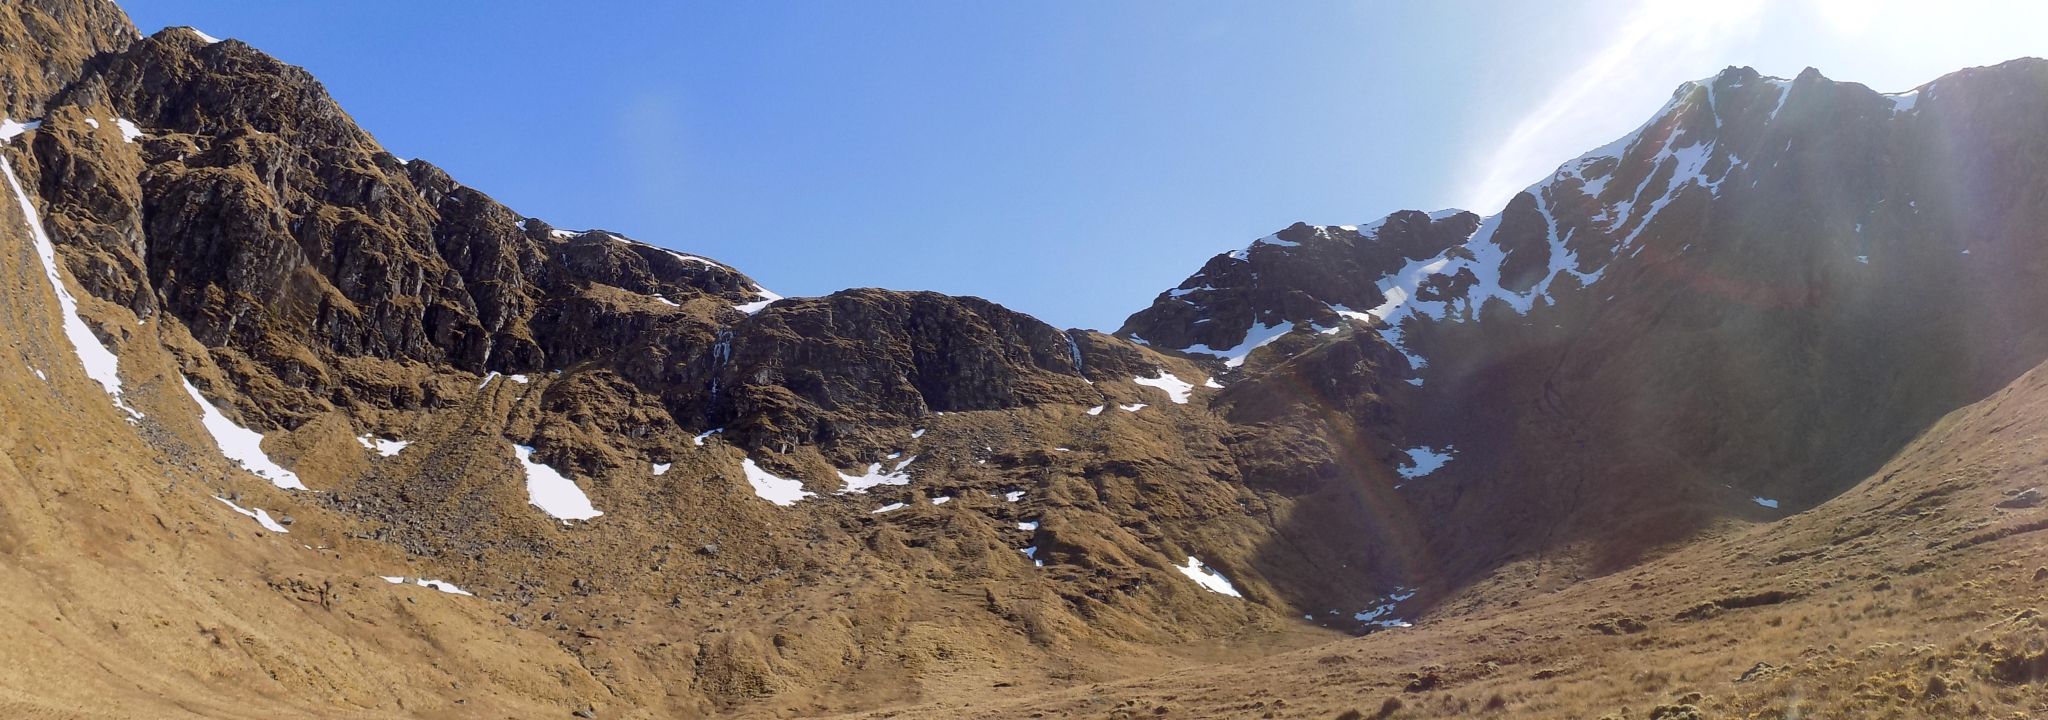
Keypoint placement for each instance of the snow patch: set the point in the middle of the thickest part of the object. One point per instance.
(262, 518)
(1904, 102)
(1423, 460)
(1175, 387)
(101, 364)
(942, 499)
(876, 477)
(661, 469)
(1013, 496)
(685, 257)
(493, 375)
(699, 439)
(1097, 410)
(11, 128)
(1133, 407)
(1482, 256)
(552, 492)
(129, 132)
(1764, 501)
(1207, 577)
(886, 508)
(764, 299)
(203, 37)
(1255, 337)
(1784, 93)
(240, 444)
(779, 490)
(441, 585)
(384, 448)
(1381, 614)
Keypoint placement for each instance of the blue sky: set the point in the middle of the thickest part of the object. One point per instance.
(1068, 159)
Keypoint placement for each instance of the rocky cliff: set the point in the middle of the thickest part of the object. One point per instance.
(662, 488)
(1742, 307)
(589, 432)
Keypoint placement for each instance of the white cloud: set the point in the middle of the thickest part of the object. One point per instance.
(1656, 46)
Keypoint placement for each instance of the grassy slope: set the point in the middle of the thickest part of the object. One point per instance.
(1912, 595)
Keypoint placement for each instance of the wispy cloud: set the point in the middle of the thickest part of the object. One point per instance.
(1645, 54)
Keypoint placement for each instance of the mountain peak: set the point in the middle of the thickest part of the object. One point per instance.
(1737, 74)
(185, 33)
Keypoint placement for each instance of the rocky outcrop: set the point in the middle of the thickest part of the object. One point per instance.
(811, 371)
(1301, 274)
(330, 295)
(1762, 292)
(43, 43)
(1759, 293)
(245, 203)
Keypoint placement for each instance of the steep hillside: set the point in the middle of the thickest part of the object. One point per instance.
(1763, 292)
(1914, 594)
(305, 429)
(46, 41)
(800, 505)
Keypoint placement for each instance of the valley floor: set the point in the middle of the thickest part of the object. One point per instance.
(1917, 594)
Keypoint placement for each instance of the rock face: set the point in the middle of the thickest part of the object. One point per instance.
(1762, 293)
(1303, 274)
(812, 371)
(412, 349)
(252, 209)
(46, 41)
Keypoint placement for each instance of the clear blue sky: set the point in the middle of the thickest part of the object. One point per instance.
(1069, 159)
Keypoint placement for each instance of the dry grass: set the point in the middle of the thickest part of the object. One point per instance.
(1883, 603)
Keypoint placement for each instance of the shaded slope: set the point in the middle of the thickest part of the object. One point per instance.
(421, 359)
(1764, 291)
(876, 498)
(1911, 594)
